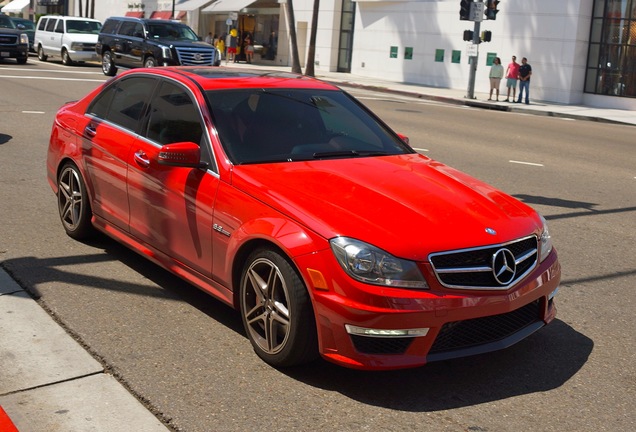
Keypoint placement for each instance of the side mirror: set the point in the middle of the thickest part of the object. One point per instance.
(181, 154)
(404, 138)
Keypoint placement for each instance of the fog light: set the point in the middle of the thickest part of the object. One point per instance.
(385, 333)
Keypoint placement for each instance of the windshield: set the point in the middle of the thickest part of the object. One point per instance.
(5, 22)
(83, 26)
(284, 125)
(171, 31)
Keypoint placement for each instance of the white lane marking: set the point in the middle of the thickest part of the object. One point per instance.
(526, 163)
(33, 112)
(51, 78)
(420, 149)
(72, 72)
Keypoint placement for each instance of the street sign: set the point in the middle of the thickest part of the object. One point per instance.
(234, 15)
(472, 50)
(477, 12)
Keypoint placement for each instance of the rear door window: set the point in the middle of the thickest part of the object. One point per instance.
(50, 25)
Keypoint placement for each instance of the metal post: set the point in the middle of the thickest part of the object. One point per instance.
(470, 94)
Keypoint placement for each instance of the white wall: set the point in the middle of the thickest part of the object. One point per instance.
(553, 35)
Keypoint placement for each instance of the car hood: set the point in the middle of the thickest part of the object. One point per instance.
(408, 205)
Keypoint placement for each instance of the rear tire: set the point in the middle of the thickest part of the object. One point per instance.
(108, 64)
(72, 202)
(277, 311)
(41, 55)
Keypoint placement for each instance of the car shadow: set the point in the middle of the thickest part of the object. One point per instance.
(544, 361)
(4, 138)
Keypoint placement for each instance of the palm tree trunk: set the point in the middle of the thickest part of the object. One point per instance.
(311, 52)
(291, 22)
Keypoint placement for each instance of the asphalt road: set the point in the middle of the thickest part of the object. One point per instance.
(187, 358)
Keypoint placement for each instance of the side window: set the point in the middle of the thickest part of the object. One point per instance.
(50, 25)
(174, 117)
(127, 28)
(59, 28)
(110, 26)
(125, 103)
(42, 24)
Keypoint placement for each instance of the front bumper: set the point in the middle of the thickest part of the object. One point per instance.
(444, 323)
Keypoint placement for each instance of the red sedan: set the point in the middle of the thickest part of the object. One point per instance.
(290, 201)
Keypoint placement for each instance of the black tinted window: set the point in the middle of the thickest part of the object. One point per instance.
(174, 117)
(42, 24)
(50, 25)
(124, 103)
(110, 26)
(131, 28)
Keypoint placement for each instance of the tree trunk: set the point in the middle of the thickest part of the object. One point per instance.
(92, 9)
(80, 8)
(311, 52)
(291, 22)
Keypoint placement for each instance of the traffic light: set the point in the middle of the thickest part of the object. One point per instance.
(468, 35)
(486, 36)
(464, 10)
(491, 9)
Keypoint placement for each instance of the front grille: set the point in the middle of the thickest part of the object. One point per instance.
(381, 345)
(195, 56)
(478, 331)
(88, 47)
(476, 268)
(8, 40)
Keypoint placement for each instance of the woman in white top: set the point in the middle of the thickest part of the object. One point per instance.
(496, 74)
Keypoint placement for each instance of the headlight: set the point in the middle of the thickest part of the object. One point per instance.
(24, 39)
(77, 46)
(545, 241)
(372, 265)
(166, 52)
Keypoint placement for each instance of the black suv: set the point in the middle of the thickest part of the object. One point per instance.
(136, 42)
(14, 43)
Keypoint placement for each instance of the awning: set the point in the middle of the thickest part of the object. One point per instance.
(135, 14)
(16, 6)
(163, 15)
(191, 5)
(180, 15)
(226, 6)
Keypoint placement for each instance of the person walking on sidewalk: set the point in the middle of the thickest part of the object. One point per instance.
(525, 72)
(512, 75)
(495, 75)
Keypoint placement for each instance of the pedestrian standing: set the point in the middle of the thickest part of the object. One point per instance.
(525, 72)
(495, 75)
(512, 75)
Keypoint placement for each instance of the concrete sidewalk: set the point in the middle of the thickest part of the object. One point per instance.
(48, 382)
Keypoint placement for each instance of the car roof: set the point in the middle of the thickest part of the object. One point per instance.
(217, 78)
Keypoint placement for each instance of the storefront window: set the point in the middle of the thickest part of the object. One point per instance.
(611, 65)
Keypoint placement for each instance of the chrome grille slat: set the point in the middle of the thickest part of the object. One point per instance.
(195, 56)
(473, 268)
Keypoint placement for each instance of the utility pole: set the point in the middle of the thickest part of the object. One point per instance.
(476, 14)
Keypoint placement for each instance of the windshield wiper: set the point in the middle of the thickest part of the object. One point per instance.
(345, 153)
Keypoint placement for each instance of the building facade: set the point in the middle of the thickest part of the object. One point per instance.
(581, 51)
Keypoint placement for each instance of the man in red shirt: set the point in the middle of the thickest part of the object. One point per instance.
(512, 74)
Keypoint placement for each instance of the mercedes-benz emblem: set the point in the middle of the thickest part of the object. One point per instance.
(504, 266)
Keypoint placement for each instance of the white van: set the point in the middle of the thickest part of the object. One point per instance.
(72, 39)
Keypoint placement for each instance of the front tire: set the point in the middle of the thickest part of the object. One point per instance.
(41, 55)
(276, 310)
(72, 201)
(108, 64)
(150, 62)
(66, 59)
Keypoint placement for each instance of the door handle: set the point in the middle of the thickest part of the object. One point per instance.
(90, 131)
(142, 159)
